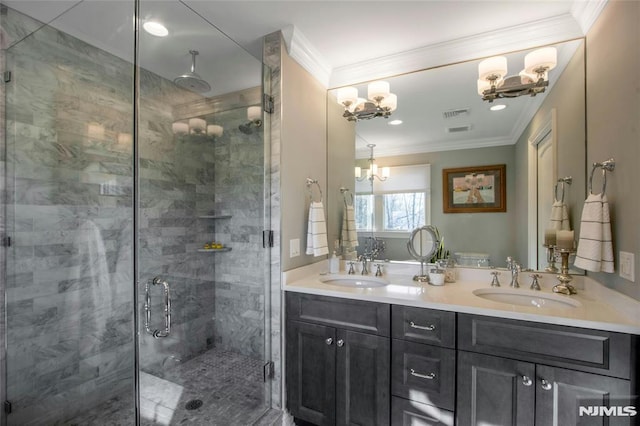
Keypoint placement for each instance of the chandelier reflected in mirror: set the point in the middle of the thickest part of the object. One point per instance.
(372, 172)
(493, 82)
(380, 103)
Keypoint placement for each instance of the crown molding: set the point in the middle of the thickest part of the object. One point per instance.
(304, 53)
(436, 146)
(519, 37)
(586, 12)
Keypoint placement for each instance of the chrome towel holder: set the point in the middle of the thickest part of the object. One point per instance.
(606, 166)
(568, 180)
(344, 191)
(310, 183)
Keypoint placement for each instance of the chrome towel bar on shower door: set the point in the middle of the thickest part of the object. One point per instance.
(167, 308)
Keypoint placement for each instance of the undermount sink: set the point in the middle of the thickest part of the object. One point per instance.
(355, 281)
(521, 297)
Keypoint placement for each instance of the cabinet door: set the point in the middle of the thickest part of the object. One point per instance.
(362, 379)
(494, 391)
(563, 392)
(311, 372)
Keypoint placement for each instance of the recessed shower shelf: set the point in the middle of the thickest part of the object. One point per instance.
(214, 250)
(224, 216)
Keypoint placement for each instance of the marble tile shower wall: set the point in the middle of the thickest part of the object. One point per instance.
(240, 275)
(69, 270)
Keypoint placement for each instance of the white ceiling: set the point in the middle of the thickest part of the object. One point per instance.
(339, 42)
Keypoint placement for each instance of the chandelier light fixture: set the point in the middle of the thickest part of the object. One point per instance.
(380, 103)
(372, 172)
(493, 82)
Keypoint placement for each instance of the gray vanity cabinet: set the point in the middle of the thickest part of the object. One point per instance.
(337, 360)
(523, 373)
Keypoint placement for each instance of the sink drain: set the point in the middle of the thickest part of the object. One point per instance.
(194, 404)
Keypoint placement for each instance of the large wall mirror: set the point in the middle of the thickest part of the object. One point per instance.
(446, 125)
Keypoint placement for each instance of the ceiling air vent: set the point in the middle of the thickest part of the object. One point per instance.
(459, 129)
(454, 113)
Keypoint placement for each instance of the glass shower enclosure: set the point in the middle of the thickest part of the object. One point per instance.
(135, 199)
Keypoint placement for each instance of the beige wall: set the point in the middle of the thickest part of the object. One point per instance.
(567, 97)
(303, 154)
(341, 135)
(613, 119)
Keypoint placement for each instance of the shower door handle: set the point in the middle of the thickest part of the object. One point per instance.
(167, 308)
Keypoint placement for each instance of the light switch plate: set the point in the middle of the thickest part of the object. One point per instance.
(294, 247)
(627, 266)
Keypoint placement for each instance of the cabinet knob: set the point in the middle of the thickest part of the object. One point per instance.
(329, 341)
(545, 385)
(526, 380)
(340, 343)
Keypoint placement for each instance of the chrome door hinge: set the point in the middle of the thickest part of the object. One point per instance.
(267, 103)
(7, 407)
(7, 76)
(267, 238)
(268, 371)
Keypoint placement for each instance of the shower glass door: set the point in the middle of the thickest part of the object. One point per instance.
(69, 212)
(202, 268)
(136, 282)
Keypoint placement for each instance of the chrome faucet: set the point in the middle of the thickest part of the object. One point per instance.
(351, 270)
(514, 267)
(363, 259)
(535, 285)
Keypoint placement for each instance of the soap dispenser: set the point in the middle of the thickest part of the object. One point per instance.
(334, 264)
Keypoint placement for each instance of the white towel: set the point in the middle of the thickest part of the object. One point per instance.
(595, 248)
(559, 219)
(349, 234)
(317, 230)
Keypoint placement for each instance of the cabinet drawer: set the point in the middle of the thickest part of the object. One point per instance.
(424, 325)
(423, 373)
(411, 413)
(582, 349)
(356, 315)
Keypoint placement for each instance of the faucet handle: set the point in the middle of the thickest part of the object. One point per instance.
(378, 269)
(534, 283)
(494, 281)
(351, 270)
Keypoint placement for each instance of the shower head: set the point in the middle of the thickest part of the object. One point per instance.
(191, 80)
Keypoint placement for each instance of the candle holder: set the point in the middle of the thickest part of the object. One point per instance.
(551, 258)
(564, 287)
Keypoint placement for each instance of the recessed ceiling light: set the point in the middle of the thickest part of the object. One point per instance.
(155, 28)
(498, 107)
(395, 122)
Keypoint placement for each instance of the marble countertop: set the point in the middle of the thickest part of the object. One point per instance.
(599, 307)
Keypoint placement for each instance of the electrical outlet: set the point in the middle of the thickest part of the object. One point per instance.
(294, 247)
(627, 266)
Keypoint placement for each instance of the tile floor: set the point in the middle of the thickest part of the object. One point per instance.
(228, 384)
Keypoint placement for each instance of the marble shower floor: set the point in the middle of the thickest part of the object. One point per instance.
(229, 385)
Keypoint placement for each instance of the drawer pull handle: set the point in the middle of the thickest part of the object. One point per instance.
(422, 327)
(526, 380)
(545, 385)
(329, 341)
(340, 343)
(429, 376)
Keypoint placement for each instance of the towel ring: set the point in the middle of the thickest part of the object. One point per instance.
(344, 191)
(606, 166)
(311, 182)
(561, 182)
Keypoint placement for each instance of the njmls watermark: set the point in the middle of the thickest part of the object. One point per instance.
(604, 411)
